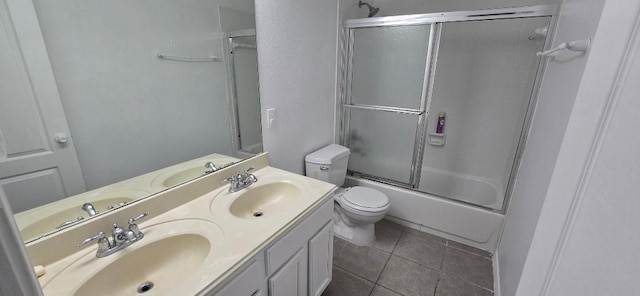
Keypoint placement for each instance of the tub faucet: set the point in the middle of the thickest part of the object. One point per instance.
(90, 209)
(211, 167)
(121, 238)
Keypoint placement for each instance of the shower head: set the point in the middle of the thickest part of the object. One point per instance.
(372, 10)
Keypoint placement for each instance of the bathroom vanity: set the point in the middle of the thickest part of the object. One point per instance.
(274, 237)
(296, 263)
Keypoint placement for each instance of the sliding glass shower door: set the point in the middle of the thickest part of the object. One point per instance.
(439, 104)
(484, 78)
(385, 101)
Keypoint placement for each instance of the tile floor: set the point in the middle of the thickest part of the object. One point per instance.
(405, 261)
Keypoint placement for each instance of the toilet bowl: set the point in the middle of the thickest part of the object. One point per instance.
(356, 209)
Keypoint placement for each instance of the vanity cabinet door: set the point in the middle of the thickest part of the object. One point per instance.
(250, 282)
(320, 259)
(291, 279)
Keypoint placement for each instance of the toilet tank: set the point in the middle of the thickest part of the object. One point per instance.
(328, 164)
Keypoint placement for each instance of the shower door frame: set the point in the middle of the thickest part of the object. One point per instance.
(232, 87)
(435, 21)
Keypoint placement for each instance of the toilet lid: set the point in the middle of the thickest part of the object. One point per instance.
(365, 197)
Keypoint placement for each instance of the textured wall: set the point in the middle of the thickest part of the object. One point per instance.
(577, 20)
(297, 45)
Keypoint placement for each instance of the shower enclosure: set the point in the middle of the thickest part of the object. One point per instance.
(439, 103)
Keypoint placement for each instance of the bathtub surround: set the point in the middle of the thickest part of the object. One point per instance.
(480, 71)
(458, 222)
(484, 79)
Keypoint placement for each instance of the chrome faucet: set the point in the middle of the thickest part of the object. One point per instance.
(90, 209)
(211, 167)
(121, 238)
(240, 180)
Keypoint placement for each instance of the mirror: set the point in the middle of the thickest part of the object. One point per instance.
(104, 103)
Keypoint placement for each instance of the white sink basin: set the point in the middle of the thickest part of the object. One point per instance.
(167, 261)
(154, 267)
(265, 200)
(274, 196)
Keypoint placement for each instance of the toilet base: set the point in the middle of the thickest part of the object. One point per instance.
(359, 234)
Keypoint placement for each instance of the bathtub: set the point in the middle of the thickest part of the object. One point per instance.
(449, 219)
(467, 188)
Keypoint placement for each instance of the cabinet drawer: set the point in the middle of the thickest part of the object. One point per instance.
(281, 251)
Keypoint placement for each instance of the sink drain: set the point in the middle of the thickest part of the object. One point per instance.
(145, 287)
(258, 214)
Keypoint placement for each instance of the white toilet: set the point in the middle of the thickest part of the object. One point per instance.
(356, 208)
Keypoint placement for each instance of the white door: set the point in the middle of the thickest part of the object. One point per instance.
(40, 168)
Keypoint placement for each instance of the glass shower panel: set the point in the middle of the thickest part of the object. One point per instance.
(485, 72)
(245, 68)
(381, 143)
(388, 65)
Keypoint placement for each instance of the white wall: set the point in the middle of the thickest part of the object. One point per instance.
(599, 256)
(297, 45)
(129, 112)
(577, 20)
(232, 19)
(585, 230)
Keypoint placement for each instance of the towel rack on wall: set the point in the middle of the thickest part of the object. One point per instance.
(242, 45)
(211, 58)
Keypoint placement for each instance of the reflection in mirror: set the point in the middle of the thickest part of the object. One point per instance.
(244, 69)
(104, 103)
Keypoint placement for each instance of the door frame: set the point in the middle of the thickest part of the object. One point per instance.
(18, 276)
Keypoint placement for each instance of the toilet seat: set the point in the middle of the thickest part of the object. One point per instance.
(364, 199)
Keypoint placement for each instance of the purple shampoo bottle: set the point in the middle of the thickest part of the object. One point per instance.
(441, 119)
